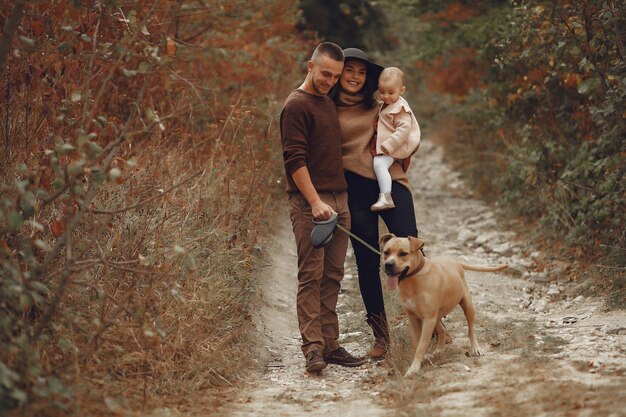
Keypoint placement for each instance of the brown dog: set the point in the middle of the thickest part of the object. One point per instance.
(429, 290)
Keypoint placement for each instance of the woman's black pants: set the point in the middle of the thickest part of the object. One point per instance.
(362, 193)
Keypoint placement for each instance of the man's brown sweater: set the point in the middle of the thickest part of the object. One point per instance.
(311, 137)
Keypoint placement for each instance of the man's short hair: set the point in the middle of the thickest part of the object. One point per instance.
(327, 48)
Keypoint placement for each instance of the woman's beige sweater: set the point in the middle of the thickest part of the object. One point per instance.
(357, 129)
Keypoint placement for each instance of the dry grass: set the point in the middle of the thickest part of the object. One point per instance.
(148, 295)
(414, 396)
(165, 310)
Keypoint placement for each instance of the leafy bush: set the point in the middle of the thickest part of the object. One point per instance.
(136, 159)
(569, 92)
(537, 98)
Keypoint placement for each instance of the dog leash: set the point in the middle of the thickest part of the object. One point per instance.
(324, 231)
(358, 239)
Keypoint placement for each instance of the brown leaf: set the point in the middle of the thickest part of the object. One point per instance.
(170, 46)
(37, 26)
(57, 228)
(75, 13)
(5, 246)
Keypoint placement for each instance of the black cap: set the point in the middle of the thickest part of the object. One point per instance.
(373, 70)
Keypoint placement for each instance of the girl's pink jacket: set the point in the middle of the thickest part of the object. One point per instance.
(397, 130)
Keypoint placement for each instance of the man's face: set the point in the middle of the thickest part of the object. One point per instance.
(324, 74)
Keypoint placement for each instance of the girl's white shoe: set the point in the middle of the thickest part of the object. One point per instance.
(385, 202)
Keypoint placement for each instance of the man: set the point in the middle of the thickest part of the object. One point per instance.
(316, 187)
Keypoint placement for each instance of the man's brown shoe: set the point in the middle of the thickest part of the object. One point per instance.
(314, 361)
(342, 357)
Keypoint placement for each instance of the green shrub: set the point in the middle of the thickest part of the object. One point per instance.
(537, 102)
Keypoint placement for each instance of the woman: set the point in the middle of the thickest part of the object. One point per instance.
(357, 110)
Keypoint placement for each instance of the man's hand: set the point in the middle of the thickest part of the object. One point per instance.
(321, 210)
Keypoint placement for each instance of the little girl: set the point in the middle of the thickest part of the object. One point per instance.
(398, 133)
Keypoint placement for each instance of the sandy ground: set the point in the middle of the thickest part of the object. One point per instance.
(549, 352)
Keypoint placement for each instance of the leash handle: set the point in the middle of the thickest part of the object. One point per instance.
(324, 230)
(331, 219)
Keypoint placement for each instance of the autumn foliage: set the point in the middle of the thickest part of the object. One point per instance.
(137, 159)
(536, 90)
(558, 95)
(528, 97)
(455, 74)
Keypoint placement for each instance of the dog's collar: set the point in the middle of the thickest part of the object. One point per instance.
(415, 271)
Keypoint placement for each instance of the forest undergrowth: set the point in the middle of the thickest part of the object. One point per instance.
(528, 98)
(137, 160)
(138, 164)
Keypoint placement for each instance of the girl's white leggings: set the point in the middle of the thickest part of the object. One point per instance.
(382, 163)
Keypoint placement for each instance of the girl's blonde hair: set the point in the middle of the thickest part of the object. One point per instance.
(392, 74)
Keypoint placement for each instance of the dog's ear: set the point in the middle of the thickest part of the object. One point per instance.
(416, 243)
(386, 237)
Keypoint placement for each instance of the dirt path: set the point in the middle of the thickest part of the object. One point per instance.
(547, 353)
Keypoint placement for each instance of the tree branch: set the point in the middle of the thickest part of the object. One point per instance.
(619, 39)
(9, 30)
(114, 146)
(143, 203)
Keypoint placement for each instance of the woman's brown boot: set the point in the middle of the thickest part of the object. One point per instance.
(378, 323)
(379, 350)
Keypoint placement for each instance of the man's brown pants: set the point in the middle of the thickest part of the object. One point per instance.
(319, 273)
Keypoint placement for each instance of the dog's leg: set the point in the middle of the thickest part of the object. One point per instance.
(415, 325)
(428, 325)
(441, 335)
(468, 309)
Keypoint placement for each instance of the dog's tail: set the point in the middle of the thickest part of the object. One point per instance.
(484, 268)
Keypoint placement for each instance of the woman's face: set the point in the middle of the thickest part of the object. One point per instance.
(353, 76)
